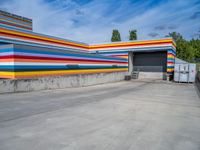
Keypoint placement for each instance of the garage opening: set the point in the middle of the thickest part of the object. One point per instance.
(150, 64)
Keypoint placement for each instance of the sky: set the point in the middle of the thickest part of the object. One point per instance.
(92, 21)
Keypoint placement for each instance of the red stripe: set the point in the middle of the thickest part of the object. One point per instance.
(170, 62)
(8, 23)
(40, 40)
(49, 58)
(84, 46)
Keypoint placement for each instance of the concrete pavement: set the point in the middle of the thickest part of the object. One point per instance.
(119, 116)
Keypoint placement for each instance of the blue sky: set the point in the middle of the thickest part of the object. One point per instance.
(92, 21)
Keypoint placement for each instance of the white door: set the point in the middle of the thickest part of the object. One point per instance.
(184, 72)
(176, 72)
(192, 72)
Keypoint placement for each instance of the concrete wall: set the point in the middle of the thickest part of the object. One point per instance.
(197, 82)
(152, 75)
(58, 82)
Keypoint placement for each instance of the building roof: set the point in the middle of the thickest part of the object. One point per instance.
(12, 35)
(180, 61)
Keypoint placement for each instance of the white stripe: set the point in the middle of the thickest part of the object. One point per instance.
(56, 64)
(18, 39)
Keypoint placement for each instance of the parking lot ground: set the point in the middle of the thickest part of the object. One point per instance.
(132, 115)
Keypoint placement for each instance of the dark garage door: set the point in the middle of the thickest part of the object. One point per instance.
(150, 61)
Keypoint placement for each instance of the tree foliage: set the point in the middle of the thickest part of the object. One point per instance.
(186, 50)
(115, 36)
(176, 36)
(133, 35)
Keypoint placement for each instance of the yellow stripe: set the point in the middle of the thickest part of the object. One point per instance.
(122, 57)
(83, 45)
(170, 69)
(60, 72)
(7, 74)
(41, 38)
(125, 43)
(170, 57)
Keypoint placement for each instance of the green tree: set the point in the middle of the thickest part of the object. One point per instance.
(115, 36)
(133, 35)
(195, 43)
(184, 49)
(176, 36)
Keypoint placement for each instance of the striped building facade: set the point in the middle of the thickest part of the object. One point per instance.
(16, 21)
(26, 54)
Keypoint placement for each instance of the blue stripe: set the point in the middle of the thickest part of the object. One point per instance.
(118, 52)
(63, 54)
(10, 41)
(68, 54)
(29, 68)
(170, 66)
(4, 50)
(172, 51)
(170, 59)
(16, 20)
(4, 21)
(73, 55)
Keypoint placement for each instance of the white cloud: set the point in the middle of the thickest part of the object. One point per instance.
(94, 21)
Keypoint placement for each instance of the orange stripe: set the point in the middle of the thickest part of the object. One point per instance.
(43, 38)
(7, 60)
(7, 76)
(129, 45)
(32, 39)
(17, 34)
(28, 21)
(170, 55)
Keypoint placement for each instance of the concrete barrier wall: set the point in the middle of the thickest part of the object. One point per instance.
(152, 75)
(197, 82)
(58, 82)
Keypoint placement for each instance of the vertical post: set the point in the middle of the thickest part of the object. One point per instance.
(130, 63)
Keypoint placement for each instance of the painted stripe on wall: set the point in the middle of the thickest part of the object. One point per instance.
(90, 47)
(55, 73)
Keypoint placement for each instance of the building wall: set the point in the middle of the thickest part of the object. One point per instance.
(16, 21)
(117, 54)
(20, 61)
(26, 54)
